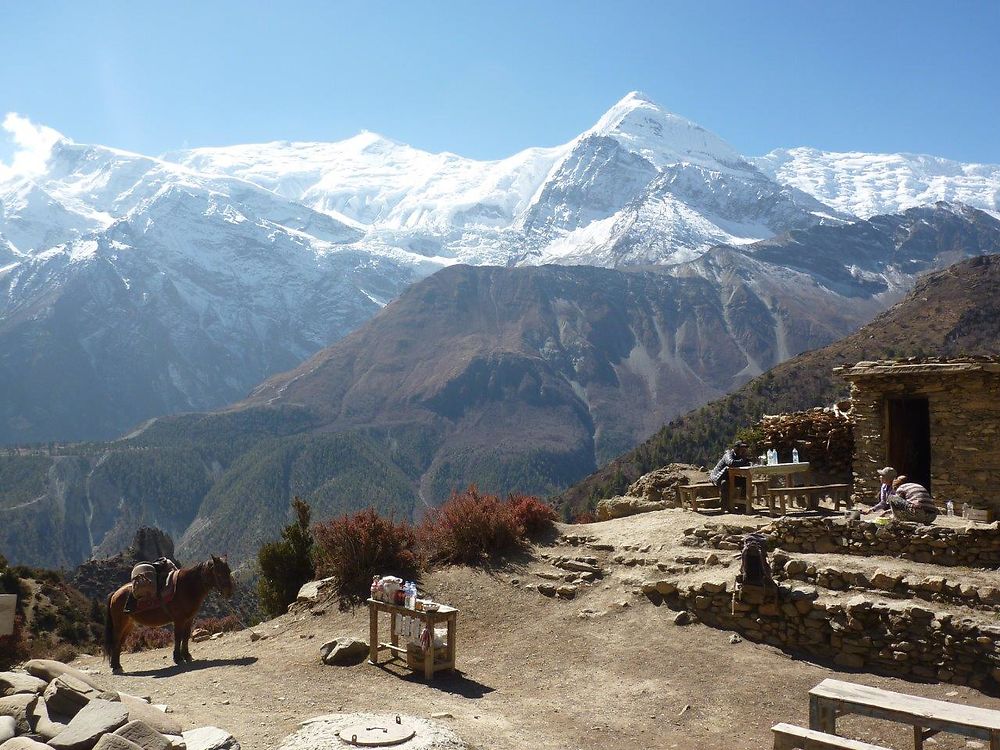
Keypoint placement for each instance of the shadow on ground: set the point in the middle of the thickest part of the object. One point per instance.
(194, 666)
(455, 683)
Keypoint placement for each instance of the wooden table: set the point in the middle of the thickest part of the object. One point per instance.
(833, 698)
(444, 613)
(759, 477)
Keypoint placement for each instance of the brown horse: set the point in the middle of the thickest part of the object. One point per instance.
(193, 585)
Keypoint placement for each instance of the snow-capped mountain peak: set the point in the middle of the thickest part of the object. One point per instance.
(663, 138)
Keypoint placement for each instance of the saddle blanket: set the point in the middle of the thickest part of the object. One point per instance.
(166, 595)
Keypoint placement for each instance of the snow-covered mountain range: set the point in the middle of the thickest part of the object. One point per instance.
(180, 282)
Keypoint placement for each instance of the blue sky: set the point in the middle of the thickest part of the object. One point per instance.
(485, 79)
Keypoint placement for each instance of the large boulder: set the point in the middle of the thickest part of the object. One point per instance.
(48, 670)
(344, 652)
(659, 485)
(47, 724)
(622, 505)
(19, 707)
(12, 683)
(97, 718)
(8, 728)
(66, 695)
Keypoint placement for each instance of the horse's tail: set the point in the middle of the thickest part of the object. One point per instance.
(109, 630)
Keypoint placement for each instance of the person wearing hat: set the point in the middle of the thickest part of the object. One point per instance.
(886, 475)
(738, 455)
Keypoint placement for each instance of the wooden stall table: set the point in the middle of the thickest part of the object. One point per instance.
(758, 478)
(444, 614)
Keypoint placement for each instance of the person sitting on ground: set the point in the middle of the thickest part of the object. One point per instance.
(738, 455)
(887, 475)
(912, 502)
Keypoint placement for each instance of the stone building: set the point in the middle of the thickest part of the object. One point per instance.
(935, 420)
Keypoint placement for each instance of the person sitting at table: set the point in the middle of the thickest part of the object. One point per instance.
(738, 455)
(886, 475)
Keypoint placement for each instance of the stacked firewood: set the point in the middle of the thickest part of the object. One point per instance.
(822, 436)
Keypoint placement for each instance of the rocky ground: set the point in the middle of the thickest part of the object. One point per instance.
(559, 649)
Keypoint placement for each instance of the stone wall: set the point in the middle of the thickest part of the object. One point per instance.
(903, 641)
(888, 584)
(964, 404)
(975, 547)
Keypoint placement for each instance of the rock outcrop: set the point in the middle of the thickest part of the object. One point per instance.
(653, 491)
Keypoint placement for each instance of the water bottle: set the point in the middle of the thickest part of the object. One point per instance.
(951, 508)
(795, 455)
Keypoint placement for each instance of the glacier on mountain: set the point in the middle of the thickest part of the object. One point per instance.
(180, 282)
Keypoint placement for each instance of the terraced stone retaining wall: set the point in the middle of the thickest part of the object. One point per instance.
(974, 547)
(889, 584)
(908, 641)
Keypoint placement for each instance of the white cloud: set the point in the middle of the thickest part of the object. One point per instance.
(32, 146)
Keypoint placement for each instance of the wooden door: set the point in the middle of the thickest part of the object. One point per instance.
(909, 428)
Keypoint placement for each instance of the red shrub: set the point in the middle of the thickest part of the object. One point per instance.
(227, 624)
(353, 549)
(141, 638)
(14, 648)
(533, 515)
(470, 527)
(585, 517)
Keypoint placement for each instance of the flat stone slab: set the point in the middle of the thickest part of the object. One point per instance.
(322, 732)
(49, 669)
(97, 718)
(143, 735)
(24, 743)
(210, 738)
(12, 683)
(139, 710)
(114, 742)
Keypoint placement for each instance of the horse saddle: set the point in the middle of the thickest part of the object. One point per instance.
(154, 584)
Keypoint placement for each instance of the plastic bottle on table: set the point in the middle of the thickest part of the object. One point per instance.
(951, 508)
(795, 455)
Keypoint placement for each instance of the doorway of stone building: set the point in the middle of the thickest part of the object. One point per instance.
(909, 431)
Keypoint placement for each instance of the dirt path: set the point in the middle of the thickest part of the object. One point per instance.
(607, 669)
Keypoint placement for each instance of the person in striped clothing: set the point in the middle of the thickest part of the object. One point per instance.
(910, 501)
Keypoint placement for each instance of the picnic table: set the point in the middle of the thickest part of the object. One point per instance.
(833, 698)
(427, 619)
(759, 479)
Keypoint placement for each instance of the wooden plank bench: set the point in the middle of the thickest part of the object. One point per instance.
(833, 698)
(698, 494)
(809, 495)
(791, 737)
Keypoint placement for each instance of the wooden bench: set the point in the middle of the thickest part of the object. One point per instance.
(833, 698)
(698, 494)
(809, 495)
(791, 737)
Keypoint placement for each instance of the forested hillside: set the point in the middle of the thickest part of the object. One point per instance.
(948, 313)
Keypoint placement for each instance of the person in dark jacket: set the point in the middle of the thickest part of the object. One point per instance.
(738, 455)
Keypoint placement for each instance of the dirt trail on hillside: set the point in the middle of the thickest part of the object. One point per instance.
(607, 669)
